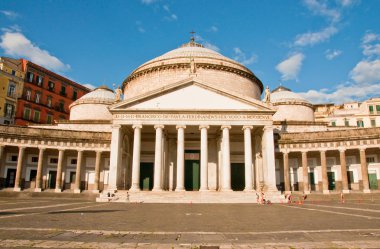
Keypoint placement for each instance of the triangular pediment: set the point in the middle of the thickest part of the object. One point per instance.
(193, 96)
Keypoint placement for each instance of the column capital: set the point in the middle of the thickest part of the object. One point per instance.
(135, 126)
(362, 148)
(322, 150)
(41, 148)
(225, 126)
(180, 127)
(247, 127)
(342, 149)
(204, 127)
(159, 126)
(116, 126)
(80, 150)
(99, 151)
(61, 149)
(268, 128)
(284, 151)
(304, 151)
(22, 147)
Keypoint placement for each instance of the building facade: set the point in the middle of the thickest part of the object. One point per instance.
(191, 127)
(46, 96)
(11, 82)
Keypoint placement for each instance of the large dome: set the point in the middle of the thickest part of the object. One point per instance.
(192, 61)
(93, 105)
(290, 106)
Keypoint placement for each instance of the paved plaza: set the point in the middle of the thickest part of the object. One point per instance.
(76, 223)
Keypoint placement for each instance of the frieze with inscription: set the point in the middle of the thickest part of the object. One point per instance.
(185, 116)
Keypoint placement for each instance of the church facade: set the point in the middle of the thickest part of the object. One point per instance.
(191, 127)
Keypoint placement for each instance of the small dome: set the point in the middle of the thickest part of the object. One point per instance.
(290, 106)
(93, 105)
(282, 95)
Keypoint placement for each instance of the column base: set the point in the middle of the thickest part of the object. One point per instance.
(180, 190)
(204, 190)
(58, 190)
(249, 190)
(226, 190)
(326, 192)
(77, 191)
(132, 189)
(306, 192)
(366, 191)
(17, 189)
(157, 190)
(346, 191)
(95, 191)
(38, 190)
(287, 192)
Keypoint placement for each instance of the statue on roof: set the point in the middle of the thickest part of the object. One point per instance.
(118, 93)
(192, 65)
(267, 95)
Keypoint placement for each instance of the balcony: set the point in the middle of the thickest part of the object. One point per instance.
(12, 95)
(64, 94)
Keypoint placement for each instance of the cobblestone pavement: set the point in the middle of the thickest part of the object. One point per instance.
(73, 223)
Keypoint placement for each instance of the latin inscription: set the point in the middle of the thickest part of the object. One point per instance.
(160, 116)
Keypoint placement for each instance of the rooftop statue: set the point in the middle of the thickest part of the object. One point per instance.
(267, 95)
(118, 92)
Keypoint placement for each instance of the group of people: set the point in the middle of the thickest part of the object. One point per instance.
(260, 198)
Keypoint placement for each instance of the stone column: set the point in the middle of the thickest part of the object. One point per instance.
(58, 182)
(268, 155)
(226, 181)
(39, 170)
(180, 158)
(343, 169)
(325, 181)
(136, 158)
(248, 158)
(204, 158)
(364, 168)
(305, 171)
(286, 172)
(78, 173)
(157, 186)
(97, 171)
(115, 159)
(1, 156)
(20, 158)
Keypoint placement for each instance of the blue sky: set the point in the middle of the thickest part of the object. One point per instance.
(329, 51)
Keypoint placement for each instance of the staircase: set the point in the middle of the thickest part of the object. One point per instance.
(188, 197)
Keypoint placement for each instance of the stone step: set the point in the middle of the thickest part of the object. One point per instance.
(190, 197)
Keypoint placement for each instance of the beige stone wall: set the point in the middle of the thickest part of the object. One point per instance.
(219, 79)
(90, 112)
(294, 113)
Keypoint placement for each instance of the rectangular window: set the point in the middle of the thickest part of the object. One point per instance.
(29, 76)
(34, 159)
(51, 86)
(61, 106)
(75, 95)
(63, 90)
(333, 123)
(9, 110)
(49, 101)
(346, 122)
(53, 160)
(49, 119)
(371, 109)
(14, 158)
(13, 72)
(360, 123)
(378, 108)
(28, 94)
(370, 159)
(39, 80)
(26, 114)
(37, 97)
(72, 176)
(36, 117)
(73, 161)
(373, 122)
(11, 90)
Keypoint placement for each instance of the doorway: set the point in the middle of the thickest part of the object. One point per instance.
(312, 181)
(52, 179)
(237, 176)
(372, 180)
(32, 178)
(146, 176)
(10, 180)
(331, 179)
(192, 170)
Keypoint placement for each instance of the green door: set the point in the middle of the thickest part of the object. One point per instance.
(331, 179)
(192, 175)
(237, 176)
(312, 180)
(52, 178)
(146, 176)
(372, 180)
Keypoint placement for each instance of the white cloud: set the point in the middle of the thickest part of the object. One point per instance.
(347, 3)
(90, 86)
(140, 27)
(206, 43)
(321, 8)
(147, 2)
(370, 37)
(213, 29)
(311, 38)
(342, 93)
(13, 28)
(172, 16)
(10, 14)
(166, 8)
(366, 72)
(332, 54)
(241, 57)
(369, 50)
(17, 45)
(290, 67)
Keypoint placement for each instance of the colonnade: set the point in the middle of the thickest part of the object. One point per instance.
(267, 152)
(325, 183)
(59, 182)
